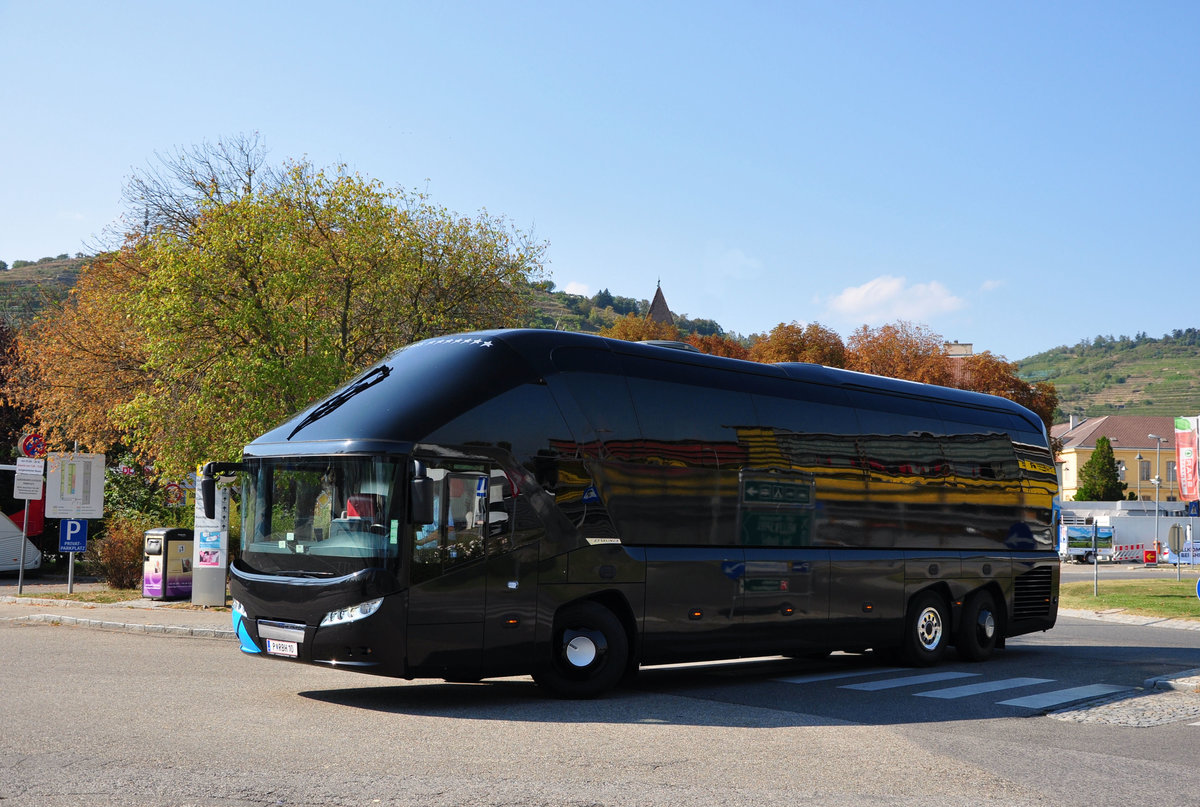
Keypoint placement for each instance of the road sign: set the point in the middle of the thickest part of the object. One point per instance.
(32, 445)
(27, 483)
(782, 492)
(72, 535)
(75, 485)
(1175, 538)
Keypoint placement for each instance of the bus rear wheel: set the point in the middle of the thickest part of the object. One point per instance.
(926, 627)
(589, 652)
(978, 629)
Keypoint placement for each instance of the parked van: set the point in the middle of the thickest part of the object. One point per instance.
(10, 548)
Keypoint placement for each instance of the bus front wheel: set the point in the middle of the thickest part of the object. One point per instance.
(589, 652)
(925, 630)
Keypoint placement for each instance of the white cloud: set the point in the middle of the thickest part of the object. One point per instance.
(888, 298)
(991, 285)
(578, 288)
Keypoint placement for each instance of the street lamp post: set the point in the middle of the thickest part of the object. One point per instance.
(1139, 475)
(1157, 480)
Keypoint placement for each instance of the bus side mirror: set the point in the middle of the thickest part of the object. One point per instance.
(208, 483)
(208, 490)
(420, 501)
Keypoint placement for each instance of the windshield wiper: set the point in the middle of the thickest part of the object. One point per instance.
(369, 379)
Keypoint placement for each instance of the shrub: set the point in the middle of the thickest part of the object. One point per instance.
(118, 555)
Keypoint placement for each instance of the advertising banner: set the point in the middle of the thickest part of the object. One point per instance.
(1185, 459)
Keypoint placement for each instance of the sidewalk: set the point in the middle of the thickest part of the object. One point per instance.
(174, 618)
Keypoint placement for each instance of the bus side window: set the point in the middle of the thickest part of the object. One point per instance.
(466, 517)
(500, 504)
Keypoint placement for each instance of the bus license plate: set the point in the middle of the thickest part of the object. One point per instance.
(277, 648)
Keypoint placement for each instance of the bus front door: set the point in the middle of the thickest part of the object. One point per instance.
(448, 580)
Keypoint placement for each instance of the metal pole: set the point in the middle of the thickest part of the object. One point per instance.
(1157, 546)
(1095, 563)
(1158, 441)
(1157, 491)
(21, 571)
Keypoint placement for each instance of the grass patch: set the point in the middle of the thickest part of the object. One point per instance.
(1161, 598)
(98, 596)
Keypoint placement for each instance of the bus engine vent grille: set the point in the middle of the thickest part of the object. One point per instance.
(1031, 594)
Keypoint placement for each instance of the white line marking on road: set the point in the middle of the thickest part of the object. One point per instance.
(1064, 696)
(908, 680)
(808, 679)
(983, 686)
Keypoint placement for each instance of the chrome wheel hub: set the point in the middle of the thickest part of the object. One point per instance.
(929, 629)
(580, 651)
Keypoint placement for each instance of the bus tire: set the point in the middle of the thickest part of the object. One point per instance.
(978, 628)
(589, 652)
(926, 629)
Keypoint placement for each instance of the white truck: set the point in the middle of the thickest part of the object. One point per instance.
(1085, 543)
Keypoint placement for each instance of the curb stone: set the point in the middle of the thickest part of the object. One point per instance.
(127, 627)
(1186, 681)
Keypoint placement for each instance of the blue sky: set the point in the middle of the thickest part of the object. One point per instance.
(1018, 175)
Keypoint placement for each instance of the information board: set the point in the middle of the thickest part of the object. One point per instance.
(74, 485)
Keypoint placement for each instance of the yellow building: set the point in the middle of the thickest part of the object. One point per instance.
(1140, 458)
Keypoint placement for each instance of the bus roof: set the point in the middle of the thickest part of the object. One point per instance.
(418, 388)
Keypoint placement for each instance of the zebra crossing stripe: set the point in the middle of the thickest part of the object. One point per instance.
(1047, 699)
(908, 680)
(808, 679)
(984, 686)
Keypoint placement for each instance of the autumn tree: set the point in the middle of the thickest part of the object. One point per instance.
(83, 356)
(167, 197)
(13, 416)
(716, 345)
(901, 350)
(246, 299)
(1098, 478)
(638, 328)
(795, 342)
(985, 372)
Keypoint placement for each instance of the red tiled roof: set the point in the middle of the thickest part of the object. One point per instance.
(1123, 431)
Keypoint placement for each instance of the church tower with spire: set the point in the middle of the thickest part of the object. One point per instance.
(659, 312)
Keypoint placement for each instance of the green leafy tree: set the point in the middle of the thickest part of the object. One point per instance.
(275, 297)
(244, 293)
(1098, 479)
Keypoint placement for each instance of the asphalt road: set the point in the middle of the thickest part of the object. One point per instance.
(101, 718)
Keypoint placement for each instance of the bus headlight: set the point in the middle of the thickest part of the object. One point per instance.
(238, 609)
(351, 614)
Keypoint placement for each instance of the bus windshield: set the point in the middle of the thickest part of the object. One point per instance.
(321, 516)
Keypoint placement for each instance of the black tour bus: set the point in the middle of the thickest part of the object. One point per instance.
(574, 507)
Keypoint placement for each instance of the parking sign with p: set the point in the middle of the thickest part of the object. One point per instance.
(72, 535)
